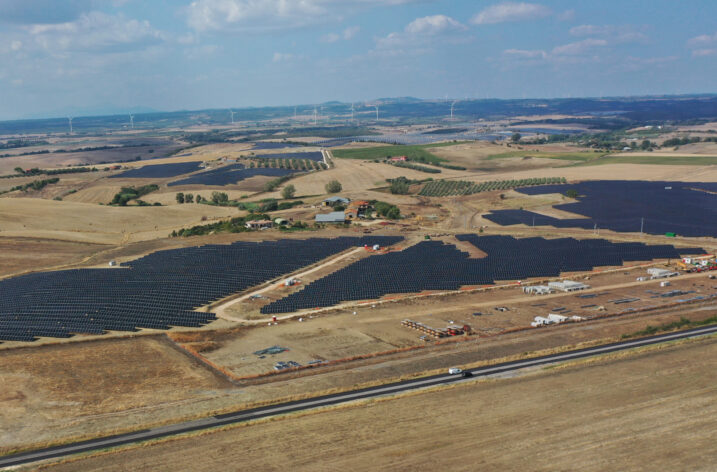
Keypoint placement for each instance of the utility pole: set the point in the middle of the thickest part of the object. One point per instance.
(642, 225)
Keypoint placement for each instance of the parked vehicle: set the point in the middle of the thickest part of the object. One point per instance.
(455, 371)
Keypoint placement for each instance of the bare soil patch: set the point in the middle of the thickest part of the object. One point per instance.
(657, 407)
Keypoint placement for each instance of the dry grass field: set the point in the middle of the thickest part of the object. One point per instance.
(71, 387)
(70, 221)
(617, 413)
(25, 254)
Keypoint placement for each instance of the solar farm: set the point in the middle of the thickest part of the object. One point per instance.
(230, 174)
(159, 171)
(685, 209)
(156, 291)
(315, 156)
(434, 265)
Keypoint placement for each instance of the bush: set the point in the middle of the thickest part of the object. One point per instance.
(180, 197)
(220, 198)
(288, 192)
(571, 193)
(399, 188)
(333, 187)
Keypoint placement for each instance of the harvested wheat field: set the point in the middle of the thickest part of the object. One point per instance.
(48, 389)
(26, 254)
(622, 412)
(71, 221)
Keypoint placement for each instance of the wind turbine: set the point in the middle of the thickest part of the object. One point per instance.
(69, 118)
(131, 120)
(352, 111)
(376, 107)
(453, 104)
(315, 112)
(231, 112)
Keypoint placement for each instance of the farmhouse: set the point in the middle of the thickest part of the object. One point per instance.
(259, 224)
(335, 217)
(333, 201)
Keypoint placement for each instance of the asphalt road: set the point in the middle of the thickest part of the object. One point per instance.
(282, 408)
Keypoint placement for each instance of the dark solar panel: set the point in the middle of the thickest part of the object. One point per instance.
(433, 265)
(156, 291)
(685, 208)
(230, 174)
(159, 171)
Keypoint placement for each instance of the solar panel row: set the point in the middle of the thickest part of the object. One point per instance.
(230, 174)
(159, 171)
(685, 208)
(433, 265)
(156, 291)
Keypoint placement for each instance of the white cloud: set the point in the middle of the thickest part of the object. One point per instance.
(263, 15)
(95, 31)
(704, 45)
(704, 52)
(702, 40)
(526, 54)
(350, 32)
(15, 45)
(579, 47)
(612, 33)
(433, 25)
(421, 31)
(510, 11)
(283, 57)
(346, 35)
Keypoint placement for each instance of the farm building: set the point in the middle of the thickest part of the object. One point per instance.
(538, 290)
(259, 224)
(398, 159)
(568, 286)
(335, 217)
(357, 209)
(656, 273)
(333, 201)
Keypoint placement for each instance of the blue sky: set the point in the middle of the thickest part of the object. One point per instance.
(75, 56)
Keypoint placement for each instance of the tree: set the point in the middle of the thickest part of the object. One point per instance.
(188, 198)
(515, 138)
(399, 188)
(199, 199)
(646, 144)
(180, 197)
(333, 187)
(288, 192)
(571, 193)
(393, 213)
(220, 197)
(19, 170)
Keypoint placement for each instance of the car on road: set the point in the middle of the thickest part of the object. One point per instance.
(467, 373)
(455, 371)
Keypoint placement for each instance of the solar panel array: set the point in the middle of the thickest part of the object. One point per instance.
(684, 208)
(156, 291)
(230, 174)
(272, 145)
(433, 265)
(159, 171)
(313, 156)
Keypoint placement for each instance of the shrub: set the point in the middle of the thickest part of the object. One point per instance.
(333, 186)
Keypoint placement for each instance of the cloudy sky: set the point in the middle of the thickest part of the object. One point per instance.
(75, 56)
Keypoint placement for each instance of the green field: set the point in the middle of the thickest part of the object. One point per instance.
(564, 156)
(414, 153)
(657, 159)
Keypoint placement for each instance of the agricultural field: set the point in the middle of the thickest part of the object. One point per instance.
(447, 188)
(660, 408)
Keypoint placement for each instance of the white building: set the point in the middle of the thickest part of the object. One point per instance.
(568, 286)
(557, 318)
(538, 290)
(656, 273)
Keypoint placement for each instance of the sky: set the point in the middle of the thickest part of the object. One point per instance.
(60, 57)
